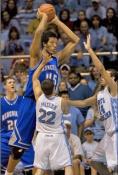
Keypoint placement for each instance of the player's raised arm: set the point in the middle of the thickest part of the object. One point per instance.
(109, 80)
(36, 83)
(78, 103)
(35, 48)
(74, 40)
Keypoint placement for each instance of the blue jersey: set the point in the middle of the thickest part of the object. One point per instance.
(9, 115)
(50, 71)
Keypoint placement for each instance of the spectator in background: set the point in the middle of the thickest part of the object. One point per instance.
(25, 15)
(82, 60)
(61, 4)
(5, 18)
(2, 90)
(73, 7)
(3, 4)
(94, 78)
(84, 3)
(14, 43)
(3, 37)
(89, 147)
(81, 17)
(96, 9)
(111, 21)
(74, 116)
(62, 86)
(12, 8)
(77, 90)
(76, 148)
(101, 40)
(64, 16)
(19, 72)
(112, 3)
(64, 72)
(98, 34)
(93, 121)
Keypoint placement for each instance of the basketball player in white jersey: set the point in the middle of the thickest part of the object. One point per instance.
(107, 102)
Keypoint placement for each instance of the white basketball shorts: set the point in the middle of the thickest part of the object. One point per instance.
(107, 150)
(52, 151)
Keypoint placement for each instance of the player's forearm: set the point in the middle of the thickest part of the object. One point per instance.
(38, 71)
(42, 25)
(77, 103)
(34, 49)
(83, 103)
(96, 60)
(74, 38)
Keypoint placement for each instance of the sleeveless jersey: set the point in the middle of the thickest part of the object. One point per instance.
(50, 71)
(49, 115)
(108, 109)
(9, 115)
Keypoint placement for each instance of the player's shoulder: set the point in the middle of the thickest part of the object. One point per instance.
(2, 98)
(20, 97)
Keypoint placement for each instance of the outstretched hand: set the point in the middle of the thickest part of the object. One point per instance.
(87, 44)
(41, 14)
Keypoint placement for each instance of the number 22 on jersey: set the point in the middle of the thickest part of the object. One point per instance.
(47, 117)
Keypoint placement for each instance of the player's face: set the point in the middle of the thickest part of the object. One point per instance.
(102, 80)
(10, 85)
(51, 45)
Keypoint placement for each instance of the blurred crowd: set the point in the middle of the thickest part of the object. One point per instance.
(99, 18)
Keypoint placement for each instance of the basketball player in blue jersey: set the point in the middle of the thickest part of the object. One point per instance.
(9, 114)
(44, 44)
(107, 102)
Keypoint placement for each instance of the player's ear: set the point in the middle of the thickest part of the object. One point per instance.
(44, 44)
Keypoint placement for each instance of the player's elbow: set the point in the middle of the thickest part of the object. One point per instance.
(76, 41)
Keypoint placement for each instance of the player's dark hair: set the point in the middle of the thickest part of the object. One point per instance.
(114, 74)
(7, 78)
(46, 35)
(47, 87)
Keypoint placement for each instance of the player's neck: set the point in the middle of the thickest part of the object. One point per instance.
(11, 96)
(45, 53)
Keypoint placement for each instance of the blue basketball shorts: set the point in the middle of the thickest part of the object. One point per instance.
(25, 126)
(27, 158)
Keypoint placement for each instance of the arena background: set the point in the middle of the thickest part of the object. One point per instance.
(19, 22)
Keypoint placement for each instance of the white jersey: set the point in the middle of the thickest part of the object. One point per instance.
(49, 115)
(108, 109)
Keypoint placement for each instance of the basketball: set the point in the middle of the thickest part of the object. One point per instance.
(49, 10)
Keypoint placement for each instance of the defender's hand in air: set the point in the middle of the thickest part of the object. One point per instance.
(87, 44)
